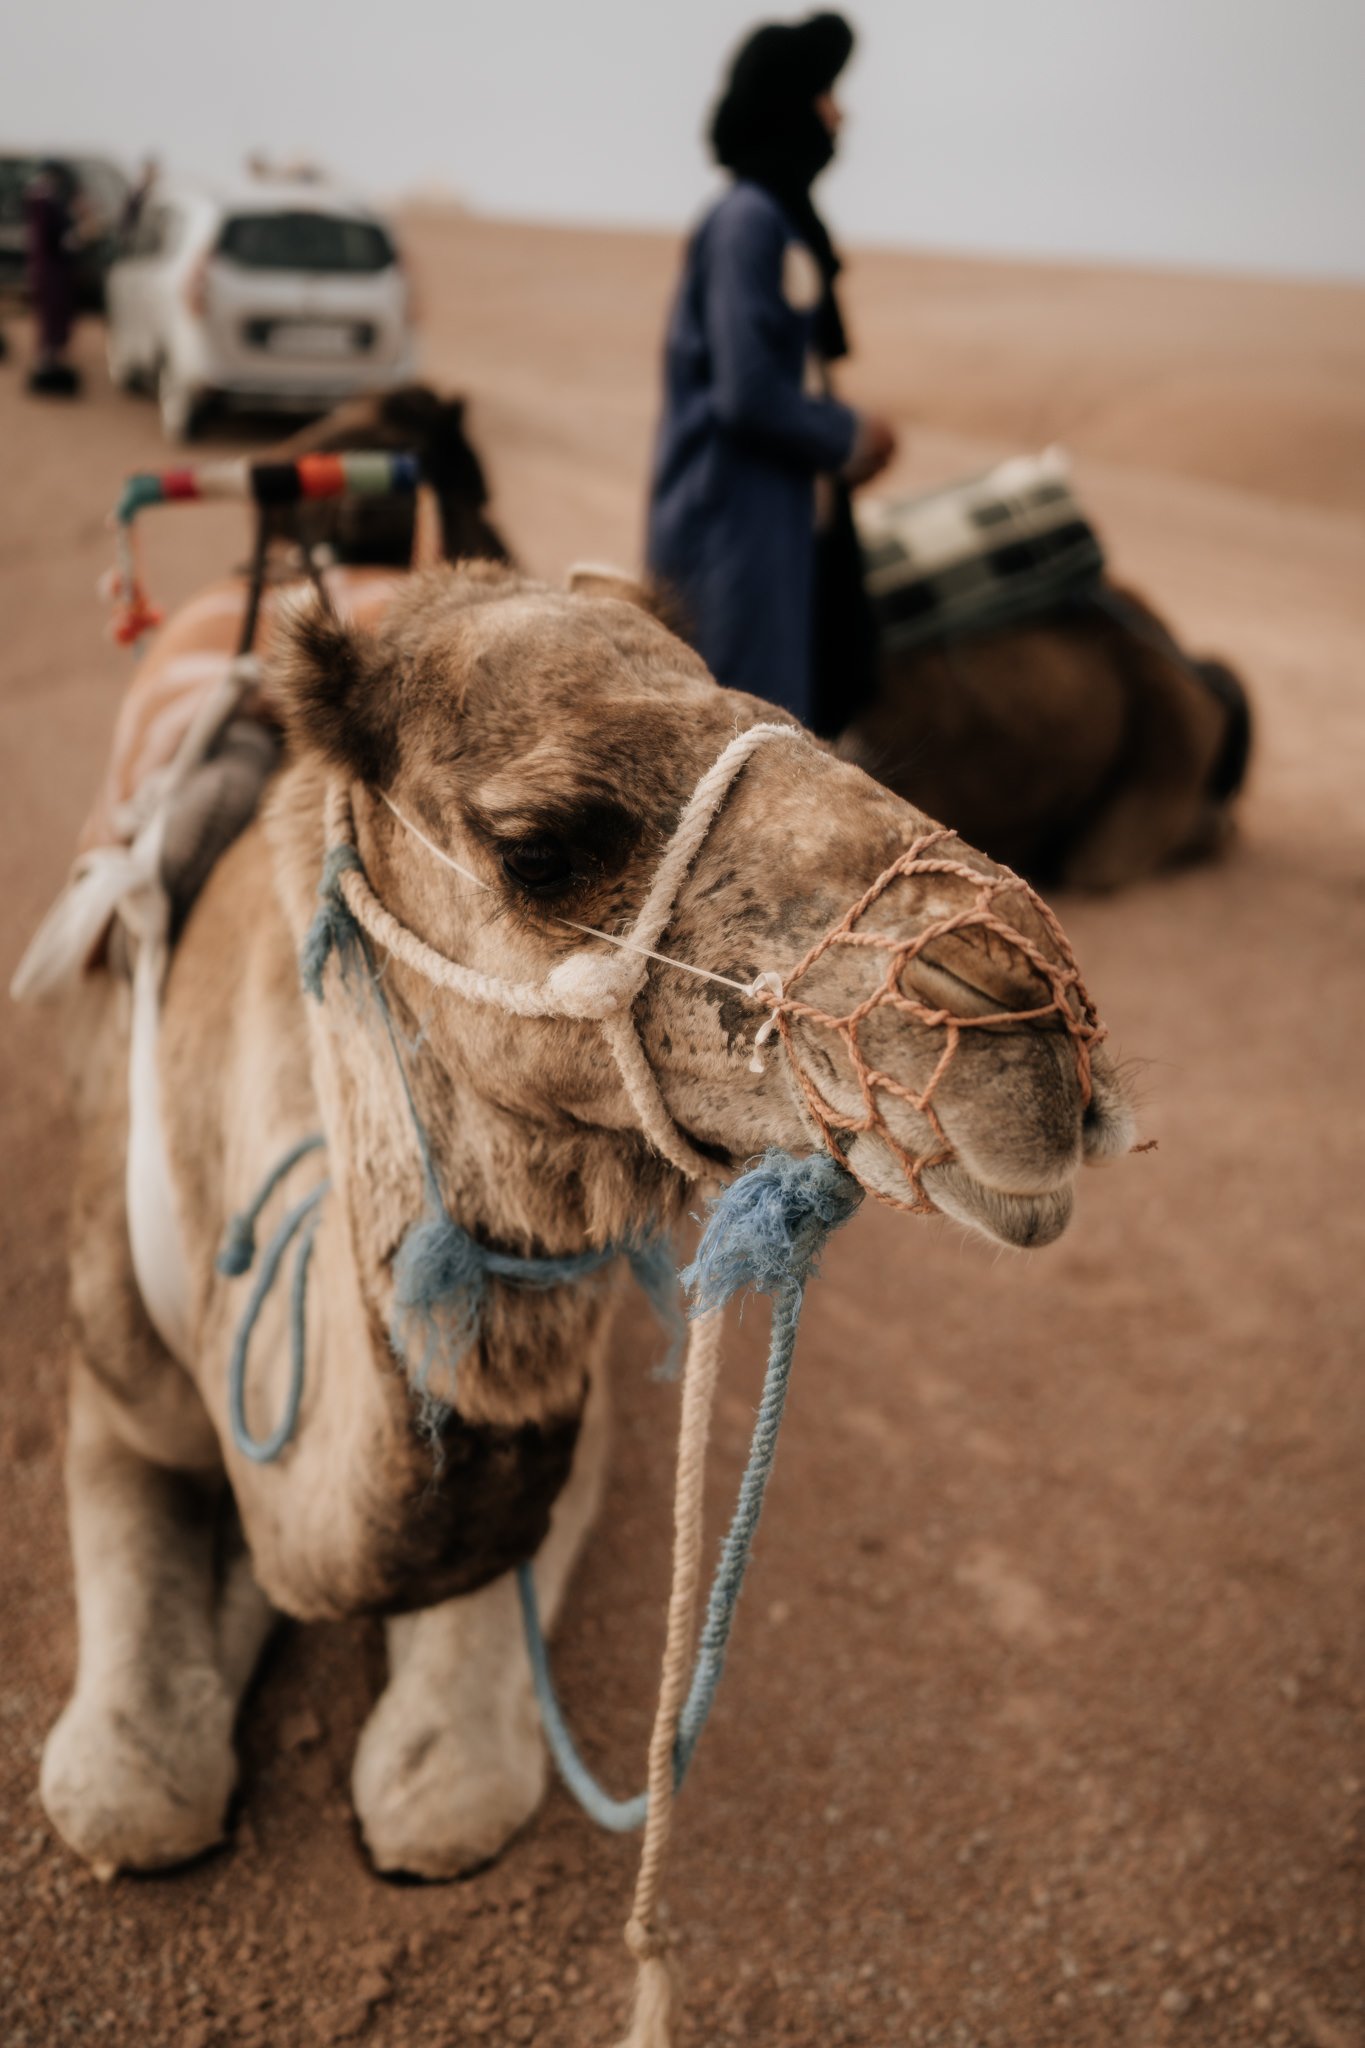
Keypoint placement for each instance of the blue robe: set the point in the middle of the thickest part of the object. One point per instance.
(732, 508)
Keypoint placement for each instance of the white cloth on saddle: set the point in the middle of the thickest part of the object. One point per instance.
(991, 551)
(107, 877)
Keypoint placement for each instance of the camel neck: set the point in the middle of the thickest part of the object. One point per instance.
(491, 1250)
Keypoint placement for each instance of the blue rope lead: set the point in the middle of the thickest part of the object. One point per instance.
(301, 1222)
(739, 1537)
(618, 1816)
(623, 1816)
(765, 1232)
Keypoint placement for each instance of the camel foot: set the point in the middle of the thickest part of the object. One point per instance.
(436, 1798)
(451, 1763)
(131, 1785)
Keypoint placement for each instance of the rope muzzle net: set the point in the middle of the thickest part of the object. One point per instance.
(1067, 1007)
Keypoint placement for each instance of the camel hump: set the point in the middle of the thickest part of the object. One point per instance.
(189, 659)
(171, 695)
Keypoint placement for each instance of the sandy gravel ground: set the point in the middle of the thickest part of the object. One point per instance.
(1043, 1723)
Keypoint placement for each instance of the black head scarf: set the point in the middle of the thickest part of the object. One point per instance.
(766, 129)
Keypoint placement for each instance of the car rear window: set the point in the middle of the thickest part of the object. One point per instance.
(305, 241)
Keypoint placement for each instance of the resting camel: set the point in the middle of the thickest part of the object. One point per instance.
(544, 742)
(1084, 749)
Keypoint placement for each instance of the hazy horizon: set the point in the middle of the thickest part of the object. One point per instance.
(1192, 133)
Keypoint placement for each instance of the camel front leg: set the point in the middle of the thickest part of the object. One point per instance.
(451, 1762)
(138, 1771)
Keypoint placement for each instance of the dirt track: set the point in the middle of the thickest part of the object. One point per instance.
(1044, 1719)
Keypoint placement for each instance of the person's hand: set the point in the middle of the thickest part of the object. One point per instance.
(873, 448)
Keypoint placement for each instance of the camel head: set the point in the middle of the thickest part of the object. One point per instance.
(547, 742)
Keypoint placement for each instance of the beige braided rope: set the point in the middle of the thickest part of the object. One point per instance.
(705, 801)
(521, 998)
(654, 1986)
(603, 998)
(642, 1086)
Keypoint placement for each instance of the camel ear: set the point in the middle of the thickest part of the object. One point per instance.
(599, 579)
(332, 692)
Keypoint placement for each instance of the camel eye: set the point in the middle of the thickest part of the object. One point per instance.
(539, 865)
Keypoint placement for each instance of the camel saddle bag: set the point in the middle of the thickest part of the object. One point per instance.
(971, 557)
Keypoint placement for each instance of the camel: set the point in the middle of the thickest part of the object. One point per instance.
(379, 533)
(1084, 749)
(542, 742)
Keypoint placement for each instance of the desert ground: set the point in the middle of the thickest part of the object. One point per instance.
(1043, 1720)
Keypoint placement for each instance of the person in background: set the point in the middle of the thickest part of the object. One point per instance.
(49, 203)
(750, 525)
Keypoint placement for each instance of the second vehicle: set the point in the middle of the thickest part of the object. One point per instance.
(280, 297)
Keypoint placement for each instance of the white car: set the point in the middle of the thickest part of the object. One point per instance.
(280, 297)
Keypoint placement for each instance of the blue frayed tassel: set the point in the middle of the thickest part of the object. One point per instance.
(655, 1274)
(440, 1276)
(767, 1229)
(334, 929)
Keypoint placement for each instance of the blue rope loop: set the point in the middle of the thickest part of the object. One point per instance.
(618, 1816)
(237, 1253)
(765, 1233)
(301, 1222)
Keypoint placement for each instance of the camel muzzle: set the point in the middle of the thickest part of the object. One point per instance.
(889, 1131)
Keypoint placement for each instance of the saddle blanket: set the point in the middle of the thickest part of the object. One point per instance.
(186, 661)
(992, 551)
(181, 694)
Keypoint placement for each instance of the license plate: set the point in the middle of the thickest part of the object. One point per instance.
(312, 338)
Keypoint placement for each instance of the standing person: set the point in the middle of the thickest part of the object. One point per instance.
(49, 221)
(750, 523)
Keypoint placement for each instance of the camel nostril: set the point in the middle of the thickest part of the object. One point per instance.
(1107, 1127)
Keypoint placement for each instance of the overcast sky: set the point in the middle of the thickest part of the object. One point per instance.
(1224, 132)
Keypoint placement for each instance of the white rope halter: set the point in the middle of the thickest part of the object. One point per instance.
(588, 985)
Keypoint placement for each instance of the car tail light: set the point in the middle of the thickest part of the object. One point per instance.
(197, 289)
